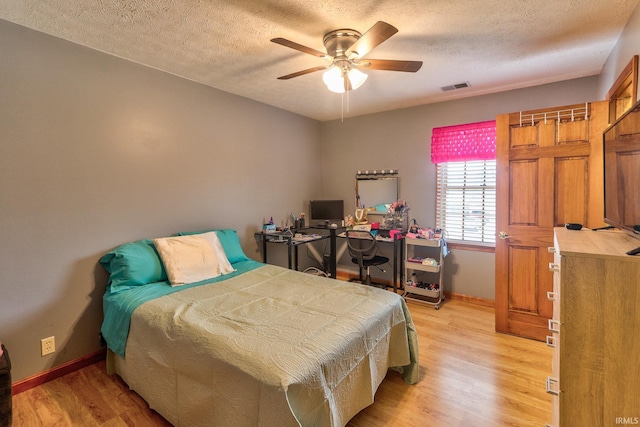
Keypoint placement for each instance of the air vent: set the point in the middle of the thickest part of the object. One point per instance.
(455, 86)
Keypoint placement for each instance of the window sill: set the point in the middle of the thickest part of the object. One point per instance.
(468, 246)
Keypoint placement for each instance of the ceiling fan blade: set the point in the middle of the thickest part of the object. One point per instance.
(303, 72)
(390, 65)
(299, 47)
(380, 32)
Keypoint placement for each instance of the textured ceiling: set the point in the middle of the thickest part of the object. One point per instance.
(494, 45)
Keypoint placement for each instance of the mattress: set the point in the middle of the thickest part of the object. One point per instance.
(268, 347)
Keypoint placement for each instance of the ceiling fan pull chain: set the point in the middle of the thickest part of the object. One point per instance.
(348, 102)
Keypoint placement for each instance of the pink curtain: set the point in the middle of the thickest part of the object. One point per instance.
(473, 141)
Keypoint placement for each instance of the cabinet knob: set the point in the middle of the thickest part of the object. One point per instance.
(552, 326)
(551, 341)
(550, 389)
(503, 235)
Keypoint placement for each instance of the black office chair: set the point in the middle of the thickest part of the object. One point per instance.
(363, 249)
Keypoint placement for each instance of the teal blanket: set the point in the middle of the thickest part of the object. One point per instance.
(119, 307)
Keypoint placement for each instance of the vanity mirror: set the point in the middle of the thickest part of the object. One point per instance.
(374, 190)
(375, 194)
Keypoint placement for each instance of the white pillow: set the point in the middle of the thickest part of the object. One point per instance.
(224, 264)
(189, 259)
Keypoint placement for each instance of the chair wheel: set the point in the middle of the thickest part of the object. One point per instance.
(437, 307)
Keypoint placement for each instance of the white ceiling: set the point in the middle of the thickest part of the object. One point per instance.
(494, 45)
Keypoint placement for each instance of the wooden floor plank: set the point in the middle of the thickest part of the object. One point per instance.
(68, 400)
(47, 409)
(115, 393)
(470, 376)
(23, 410)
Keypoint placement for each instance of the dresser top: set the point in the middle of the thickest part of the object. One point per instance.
(602, 243)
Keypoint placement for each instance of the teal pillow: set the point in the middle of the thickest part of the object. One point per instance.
(229, 241)
(133, 264)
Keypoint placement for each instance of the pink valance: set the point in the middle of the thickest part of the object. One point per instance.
(473, 141)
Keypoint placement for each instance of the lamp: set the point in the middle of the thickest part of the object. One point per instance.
(335, 76)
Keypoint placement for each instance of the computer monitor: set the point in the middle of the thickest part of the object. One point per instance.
(323, 211)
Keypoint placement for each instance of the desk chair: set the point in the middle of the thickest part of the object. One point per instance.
(363, 249)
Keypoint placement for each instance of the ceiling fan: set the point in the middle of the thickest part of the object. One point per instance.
(346, 49)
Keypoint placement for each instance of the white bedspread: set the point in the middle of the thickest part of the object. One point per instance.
(271, 347)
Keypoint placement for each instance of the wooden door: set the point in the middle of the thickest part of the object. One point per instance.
(549, 173)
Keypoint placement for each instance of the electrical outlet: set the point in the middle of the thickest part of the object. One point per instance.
(47, 345)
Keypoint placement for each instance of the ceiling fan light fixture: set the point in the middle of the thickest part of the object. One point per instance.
(347, 50)
(334, 79)
(357, 78)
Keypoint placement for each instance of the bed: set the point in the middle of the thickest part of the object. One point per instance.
(256, 345)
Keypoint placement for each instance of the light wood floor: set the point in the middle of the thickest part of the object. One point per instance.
(470, 376)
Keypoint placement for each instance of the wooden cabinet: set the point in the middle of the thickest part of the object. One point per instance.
(595, 329)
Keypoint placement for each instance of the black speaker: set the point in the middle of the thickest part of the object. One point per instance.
(326, 260)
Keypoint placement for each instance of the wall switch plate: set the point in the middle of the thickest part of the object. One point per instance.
(47, 345)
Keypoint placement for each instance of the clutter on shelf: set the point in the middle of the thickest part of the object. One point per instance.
(422, 285)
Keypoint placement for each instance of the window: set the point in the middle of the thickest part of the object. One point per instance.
(466, 182)
(466, 200)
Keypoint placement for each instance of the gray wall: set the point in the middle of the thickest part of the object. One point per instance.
(96, 151)
(401, 140)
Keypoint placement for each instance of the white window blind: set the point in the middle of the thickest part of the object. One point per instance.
(466, 200)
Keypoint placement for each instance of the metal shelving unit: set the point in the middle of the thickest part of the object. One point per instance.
(432, 274)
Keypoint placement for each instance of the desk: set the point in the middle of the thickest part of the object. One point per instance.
(398, 255)
(287, 238)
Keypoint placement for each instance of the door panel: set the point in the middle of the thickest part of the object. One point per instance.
(523, 279)
(523, 206)
(524, 137)
(546, 178)
(571, 132)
